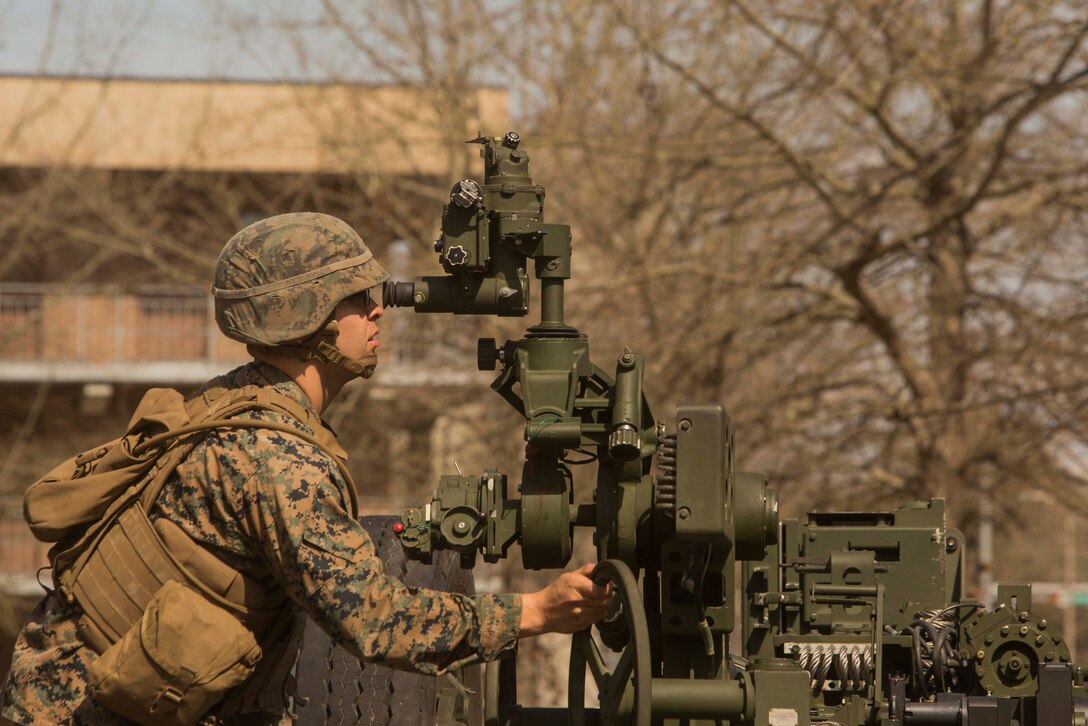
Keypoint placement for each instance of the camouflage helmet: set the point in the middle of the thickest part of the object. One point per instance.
(279, 279)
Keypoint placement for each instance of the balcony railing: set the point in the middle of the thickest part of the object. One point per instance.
(86, 334)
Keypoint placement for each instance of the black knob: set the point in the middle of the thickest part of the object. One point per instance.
(487, 354)
(511, 139)
(456, 256)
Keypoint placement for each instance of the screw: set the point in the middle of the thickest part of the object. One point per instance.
(684, 512)
(1023, 630)
(461, 526)
(685, 425)
(1042, 625)
(812, 618)
(1039, 640)
(981, 655)
(989, 640)
(1004, 629)
(418, 298)
(1024, 617)
(552, 265)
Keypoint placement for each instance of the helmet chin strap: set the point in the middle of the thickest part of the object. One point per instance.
(322, 346)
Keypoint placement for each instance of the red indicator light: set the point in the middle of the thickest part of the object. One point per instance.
(398, 527)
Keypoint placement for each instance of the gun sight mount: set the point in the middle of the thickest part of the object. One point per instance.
(489, 233)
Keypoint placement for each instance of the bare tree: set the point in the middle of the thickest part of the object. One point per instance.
(858, 223)
(892, 217)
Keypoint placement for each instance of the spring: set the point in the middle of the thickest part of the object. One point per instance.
(665, 493)
(849, 664)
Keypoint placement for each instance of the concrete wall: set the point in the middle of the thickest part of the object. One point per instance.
(233, 126)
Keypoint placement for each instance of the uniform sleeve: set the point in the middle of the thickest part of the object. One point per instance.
(328, 564)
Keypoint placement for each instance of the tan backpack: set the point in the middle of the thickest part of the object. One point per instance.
(127, 573)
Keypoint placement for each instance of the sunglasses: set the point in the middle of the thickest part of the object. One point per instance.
(365, 298)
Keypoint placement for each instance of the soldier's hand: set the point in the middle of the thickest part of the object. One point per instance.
(571, 603)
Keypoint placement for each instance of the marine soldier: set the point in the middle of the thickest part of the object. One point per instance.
(256, 521)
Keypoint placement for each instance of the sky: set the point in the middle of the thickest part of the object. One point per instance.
(233, 39)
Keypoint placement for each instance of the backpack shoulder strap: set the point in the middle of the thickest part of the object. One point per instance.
(220, 411)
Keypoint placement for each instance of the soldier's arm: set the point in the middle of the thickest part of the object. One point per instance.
(298, 517)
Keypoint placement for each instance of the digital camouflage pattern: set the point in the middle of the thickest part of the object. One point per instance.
(274, 507)
(279, 279)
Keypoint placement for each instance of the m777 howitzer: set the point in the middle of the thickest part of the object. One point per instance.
(848, 618)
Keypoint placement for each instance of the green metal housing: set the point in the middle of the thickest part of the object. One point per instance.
(848, 618)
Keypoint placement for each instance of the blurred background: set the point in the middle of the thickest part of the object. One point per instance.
(861, 224)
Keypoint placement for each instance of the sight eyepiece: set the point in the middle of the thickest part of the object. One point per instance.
(398, 294)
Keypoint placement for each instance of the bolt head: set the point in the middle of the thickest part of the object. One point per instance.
(683, 513)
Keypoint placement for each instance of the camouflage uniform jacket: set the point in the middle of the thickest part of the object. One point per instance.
(273, 506)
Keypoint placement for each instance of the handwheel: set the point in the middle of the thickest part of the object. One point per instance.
(625, 691)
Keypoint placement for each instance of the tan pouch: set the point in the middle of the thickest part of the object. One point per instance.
(176, 662)
(78, 492)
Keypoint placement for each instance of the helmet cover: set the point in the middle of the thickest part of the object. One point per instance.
(279, 279)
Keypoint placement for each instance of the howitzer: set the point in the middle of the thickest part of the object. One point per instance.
(849, 618)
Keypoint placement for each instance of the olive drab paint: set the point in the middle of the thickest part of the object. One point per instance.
(854, 619)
